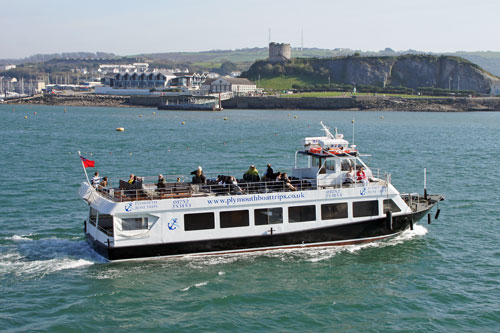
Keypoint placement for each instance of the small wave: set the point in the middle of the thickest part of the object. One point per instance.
(196, 285)
(19, 238)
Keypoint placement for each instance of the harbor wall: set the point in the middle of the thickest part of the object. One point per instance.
(365, 103)
(274, 102)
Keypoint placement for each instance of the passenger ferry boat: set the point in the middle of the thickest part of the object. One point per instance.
(320, 208)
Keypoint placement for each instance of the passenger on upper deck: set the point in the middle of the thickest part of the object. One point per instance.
(162, 183)
(199, 177)
(131, 180)
(103, 183)
(361, 176)
(233, 185)
(96, 179)
(269, 175)
(252, 174)
(288, 182)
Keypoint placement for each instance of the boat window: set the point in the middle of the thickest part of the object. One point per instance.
(330, 164)
(315, 162)
(105, 220)
(301, 213)
(235, 218)
(199, 221)
(268, 216)
(390, 205)
(334, 211)
(93, 216)
(346, 164)
(134, 223)
(365, 208)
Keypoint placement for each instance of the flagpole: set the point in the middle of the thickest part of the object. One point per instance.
(84, 169)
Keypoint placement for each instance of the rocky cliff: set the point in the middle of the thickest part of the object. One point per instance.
(412, 71)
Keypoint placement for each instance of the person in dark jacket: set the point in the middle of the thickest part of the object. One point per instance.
(199, 177)
(269, 173)
(162, 183)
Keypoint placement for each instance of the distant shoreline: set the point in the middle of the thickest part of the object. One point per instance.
(361, 103)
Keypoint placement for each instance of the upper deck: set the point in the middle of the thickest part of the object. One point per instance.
(331, 163)
(176, 190)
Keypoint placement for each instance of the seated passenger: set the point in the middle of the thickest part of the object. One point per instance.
(199, 177)
(288, 182)
(361, 176)
(233, 185)
(162, 183)
(103, 183)
(131, 180)
(269, 175)
(252, 174)
(349, 176)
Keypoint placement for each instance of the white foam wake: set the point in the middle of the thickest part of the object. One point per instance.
(309, 254)
(30, 258)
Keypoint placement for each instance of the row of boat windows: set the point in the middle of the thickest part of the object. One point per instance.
(265, 216)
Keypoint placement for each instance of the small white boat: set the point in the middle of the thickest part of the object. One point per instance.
(323, 205)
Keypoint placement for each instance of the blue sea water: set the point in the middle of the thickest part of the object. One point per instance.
(439, 277)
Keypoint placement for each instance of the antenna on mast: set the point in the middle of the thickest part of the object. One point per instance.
(269, 36)
(353, 131)
(327, 131)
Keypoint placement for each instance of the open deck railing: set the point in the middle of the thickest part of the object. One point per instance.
(149, 191)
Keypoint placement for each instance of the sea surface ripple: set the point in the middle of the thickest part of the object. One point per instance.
(439, 277)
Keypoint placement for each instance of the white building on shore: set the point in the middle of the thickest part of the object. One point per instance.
(238, 86)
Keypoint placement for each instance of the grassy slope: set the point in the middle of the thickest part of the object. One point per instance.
(286, 82)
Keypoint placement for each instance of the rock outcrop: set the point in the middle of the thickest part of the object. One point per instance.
(412, 71)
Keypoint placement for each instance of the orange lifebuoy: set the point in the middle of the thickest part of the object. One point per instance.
(315, 150)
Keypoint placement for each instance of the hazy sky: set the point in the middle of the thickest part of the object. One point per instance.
(129, 27)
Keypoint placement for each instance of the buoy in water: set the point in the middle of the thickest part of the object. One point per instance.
(295, 117)
(25, 117)
(225, 118)
(64, 110)
(140, 116)
(381, 117)
(120, 129)
(34, 113)
(183, 123)
(154, 113)
(289, 115)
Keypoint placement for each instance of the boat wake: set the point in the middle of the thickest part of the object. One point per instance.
(307, 254)
(28, 258)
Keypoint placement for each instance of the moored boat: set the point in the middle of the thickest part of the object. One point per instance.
(334, 199)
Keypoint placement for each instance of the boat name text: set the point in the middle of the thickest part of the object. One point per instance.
(255, 197)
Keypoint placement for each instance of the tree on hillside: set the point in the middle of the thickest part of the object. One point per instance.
(227, 67)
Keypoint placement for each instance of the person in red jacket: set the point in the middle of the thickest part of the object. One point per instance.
(361, 176)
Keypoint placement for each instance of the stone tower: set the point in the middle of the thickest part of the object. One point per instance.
(279, 52)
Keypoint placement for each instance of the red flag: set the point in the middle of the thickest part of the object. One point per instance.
(87, 163)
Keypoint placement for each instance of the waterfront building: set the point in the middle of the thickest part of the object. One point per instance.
(154, 79)
(238, 86)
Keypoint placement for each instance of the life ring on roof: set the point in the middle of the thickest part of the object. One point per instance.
(315, 150)
(335, 151)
